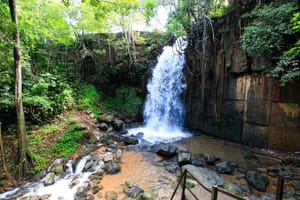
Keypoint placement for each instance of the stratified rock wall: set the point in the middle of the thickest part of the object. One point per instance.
(242, 102)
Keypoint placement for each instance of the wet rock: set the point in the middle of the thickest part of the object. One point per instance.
(184, 158)
(108, 157)
(89, 164)
(167, 151)
(49, 179)
(132, 190)
(45, 197)
(58, 169)
(130, 140)
(103, 126)
(285, 172)
(146, 196)
(39, 175)
(211, 159)
(123, 132)
(118, 124)
(111, 167)
(257, 180)
(118, 155)
(81, 193)
(226, 167)
(96, 189)
(291, 161)
(90, 197)
(73, 183)
(206, 176)
(296, 185)
(111, 195)
(198, 160)
(31, 197)
(172, 168)
(139, 135)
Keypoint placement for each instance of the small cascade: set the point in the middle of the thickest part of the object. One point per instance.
(64, 187)
(164, 111)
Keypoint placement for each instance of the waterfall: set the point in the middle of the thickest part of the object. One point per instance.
(164, 111)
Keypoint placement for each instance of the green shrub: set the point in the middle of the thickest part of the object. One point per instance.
(126, 101)
(70, 141)
(49, 96)
(90, 98)
(266, 33)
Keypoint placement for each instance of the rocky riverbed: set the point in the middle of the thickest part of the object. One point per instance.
(120, 166)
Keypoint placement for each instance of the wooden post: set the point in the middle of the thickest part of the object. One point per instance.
(183, 185)
(279, 190)
(214, 193)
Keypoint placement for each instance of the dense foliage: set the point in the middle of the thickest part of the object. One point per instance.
(270, 34)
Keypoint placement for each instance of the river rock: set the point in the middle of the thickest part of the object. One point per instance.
(167, 151)
(139, 135)
(130, 140)
(103, 126)
(198, 161)
(118, 124)
(81, 193)
(111, 195)
(111, 167)
(49, 179)
(285, 173)
(73, 183)
(132, 190)
(146, 196)
(123, 132)
(206, 176)
(257, 180)
(226, 167)
(184, 158)
(108, 157)
(118, 155)
(211, 159)
(31, 197)
(90, 197)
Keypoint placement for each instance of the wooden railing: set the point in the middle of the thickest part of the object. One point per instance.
(216, 190)
(280, 185)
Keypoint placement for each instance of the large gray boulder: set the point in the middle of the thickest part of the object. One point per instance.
(257, 180)
(207, 177)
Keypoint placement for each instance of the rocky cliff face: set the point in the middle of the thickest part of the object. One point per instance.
(240, 102)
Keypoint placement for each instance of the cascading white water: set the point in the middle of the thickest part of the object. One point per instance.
(164, 110)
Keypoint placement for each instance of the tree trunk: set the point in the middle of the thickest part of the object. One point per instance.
(22, 142)
(2, 153)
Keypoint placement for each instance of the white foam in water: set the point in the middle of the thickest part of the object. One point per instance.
(164, 111)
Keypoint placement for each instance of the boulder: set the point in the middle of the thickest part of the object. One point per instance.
(31, 197)
(49, 179)
(132, 190)
(111, 167)
(103, 126)
(226, 167)
(108, 157)
(207, 177)
(111, 195)
(211, 159)
(146, 196)
(184, 158)
(167, 151)
(257, 180)
(118, 124)
(139, 135)
(129, 140)
(81, 193)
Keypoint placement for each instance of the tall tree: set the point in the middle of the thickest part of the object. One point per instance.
(23, 158)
